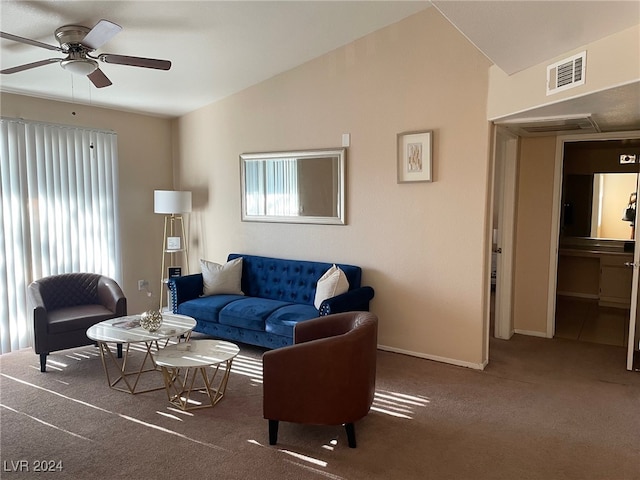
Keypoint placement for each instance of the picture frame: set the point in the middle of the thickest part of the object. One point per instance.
(173, 243)
(415, 163)
(174, 272)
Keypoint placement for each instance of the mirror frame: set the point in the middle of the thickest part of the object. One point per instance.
(338, 153)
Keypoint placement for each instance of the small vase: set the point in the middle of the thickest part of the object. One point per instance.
(151, 320)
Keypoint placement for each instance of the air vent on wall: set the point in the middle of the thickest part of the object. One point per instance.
(567, 73)
(545, 126)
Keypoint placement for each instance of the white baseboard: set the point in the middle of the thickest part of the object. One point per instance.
(589, 296)
(451, 361)
(531, 333)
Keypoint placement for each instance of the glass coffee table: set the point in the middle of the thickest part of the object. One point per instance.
(185, 365)
(127, 332)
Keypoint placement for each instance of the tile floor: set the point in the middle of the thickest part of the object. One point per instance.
(582, 319)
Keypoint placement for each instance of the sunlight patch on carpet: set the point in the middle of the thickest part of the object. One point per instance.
(79, 356)
(51, 361)
(126, 417)
(171, 432)
(398, 405)
(180, 412)
(46, 423)
(331, 446)
(169, 415)
(86, 404)
(316, 470)
(306, 458)
(249, 367)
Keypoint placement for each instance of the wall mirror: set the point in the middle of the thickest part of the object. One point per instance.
(294, 187)
(593, 205)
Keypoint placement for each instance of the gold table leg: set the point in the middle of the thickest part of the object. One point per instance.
(122, 375)
(180, 387)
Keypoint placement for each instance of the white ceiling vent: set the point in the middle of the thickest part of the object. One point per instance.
(567, 73)
(547, 126)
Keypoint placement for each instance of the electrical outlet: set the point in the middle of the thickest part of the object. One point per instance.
(142, 285)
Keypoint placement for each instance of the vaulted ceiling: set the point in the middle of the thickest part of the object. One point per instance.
(220, 47)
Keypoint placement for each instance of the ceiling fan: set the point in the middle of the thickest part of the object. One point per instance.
(78, 43)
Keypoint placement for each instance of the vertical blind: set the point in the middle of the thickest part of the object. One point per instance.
(58, 191)
(272, 187)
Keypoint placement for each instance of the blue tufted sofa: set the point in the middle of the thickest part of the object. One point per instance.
(278, 294)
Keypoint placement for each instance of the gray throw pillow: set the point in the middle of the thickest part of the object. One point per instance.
(222, 279)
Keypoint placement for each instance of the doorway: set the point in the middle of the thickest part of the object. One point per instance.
(594, 278)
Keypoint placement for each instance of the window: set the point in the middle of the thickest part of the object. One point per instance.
(58, 190)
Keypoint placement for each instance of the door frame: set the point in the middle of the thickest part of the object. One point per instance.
(506, 170)
(633, 314)
(555, 225)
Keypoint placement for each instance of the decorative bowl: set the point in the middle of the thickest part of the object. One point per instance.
(151, 320)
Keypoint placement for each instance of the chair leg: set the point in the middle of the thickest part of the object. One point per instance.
(43, 362)
(119, 348)
(273, 432)
(351, 434)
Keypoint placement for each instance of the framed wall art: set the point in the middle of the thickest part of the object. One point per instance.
(414, 156)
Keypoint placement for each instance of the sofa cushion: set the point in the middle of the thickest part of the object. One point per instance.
(80, 317)
(282, 321)
(291, 281)
(207, 308)
(222, 279)
(249, 313)
(332, 283)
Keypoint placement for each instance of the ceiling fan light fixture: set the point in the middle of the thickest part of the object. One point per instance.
(78, 42)
(80, 66)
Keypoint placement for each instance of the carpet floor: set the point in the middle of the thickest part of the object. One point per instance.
(542, 409)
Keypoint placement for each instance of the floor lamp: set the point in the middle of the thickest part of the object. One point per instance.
(172, 204)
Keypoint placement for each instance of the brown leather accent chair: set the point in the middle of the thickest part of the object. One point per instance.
(327, 377)
(66, 305)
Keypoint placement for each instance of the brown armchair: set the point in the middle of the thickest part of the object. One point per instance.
(65, 306)
(327, 377)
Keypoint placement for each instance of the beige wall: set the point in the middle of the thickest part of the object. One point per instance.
(144, 163)
(611, 61)
(422, 246)
(533, 233)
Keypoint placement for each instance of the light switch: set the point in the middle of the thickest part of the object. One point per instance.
(346, 139)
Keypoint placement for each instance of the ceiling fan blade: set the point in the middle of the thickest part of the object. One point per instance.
(100, 34)
(99, 79)
(135, 61)
(28, 66)
(28, 41)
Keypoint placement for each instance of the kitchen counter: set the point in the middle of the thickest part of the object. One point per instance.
(592, 251)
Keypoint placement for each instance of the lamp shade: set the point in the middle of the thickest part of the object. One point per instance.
(171, 201)
(80, 66)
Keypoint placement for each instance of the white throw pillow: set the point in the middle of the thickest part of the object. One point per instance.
(332, 283)
(222, 279)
